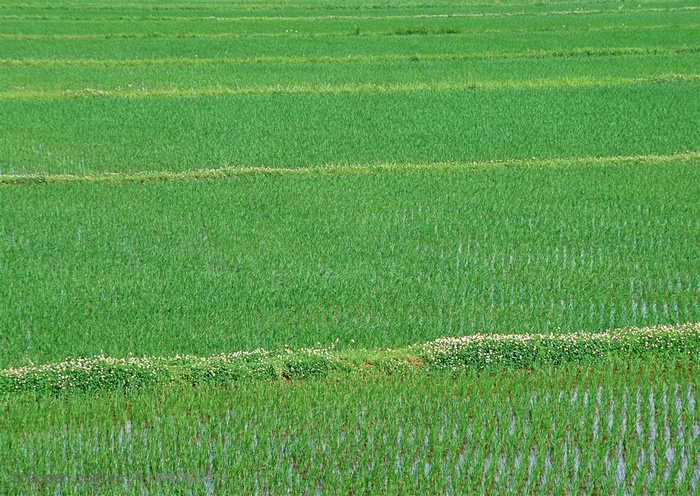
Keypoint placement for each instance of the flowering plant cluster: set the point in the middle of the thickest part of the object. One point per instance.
(100, 372)
(528, 350)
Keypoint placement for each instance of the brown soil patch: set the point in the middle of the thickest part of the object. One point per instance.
(415, 361)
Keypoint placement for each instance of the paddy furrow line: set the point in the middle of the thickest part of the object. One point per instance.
(357, 59)
(453, 33)
(330, 89)
(454, 15)
(338, 170)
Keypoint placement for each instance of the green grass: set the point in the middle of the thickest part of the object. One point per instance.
(470, 44)
(202, 203)
(306, 84)
(175, 10)
(622, 425)
(386, 258)
(293, 130)
(36, 81)
(399, 22)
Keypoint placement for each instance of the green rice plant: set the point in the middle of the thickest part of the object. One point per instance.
(232, 22)
(209, 267)
(432, 38)
(87, 136)
(82, 136)
(404, 212)
(396, 76)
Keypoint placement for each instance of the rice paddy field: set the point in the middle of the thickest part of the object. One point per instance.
(229, 229)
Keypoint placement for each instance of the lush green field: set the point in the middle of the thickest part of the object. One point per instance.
(91, 135)
(625, 427)
(252, 85)
(384, 258)
(397, 76)
(184, 179)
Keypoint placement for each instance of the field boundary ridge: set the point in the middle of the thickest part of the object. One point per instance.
(227, 172)
(345, 89)
(584, 52)
(237, 18)
(479, 351)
